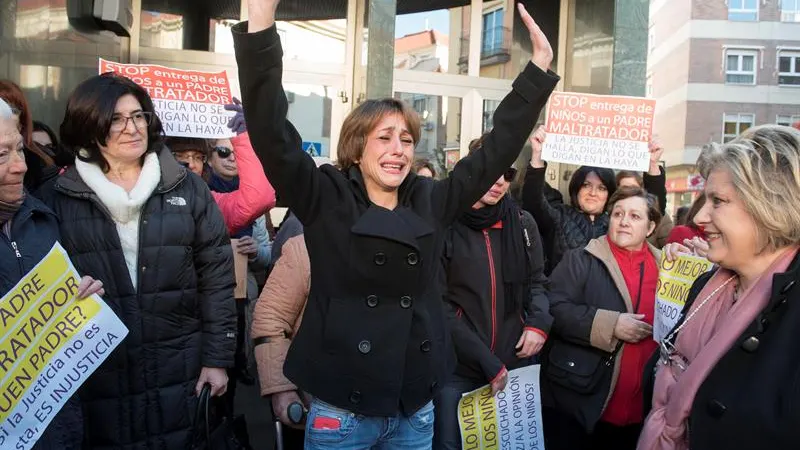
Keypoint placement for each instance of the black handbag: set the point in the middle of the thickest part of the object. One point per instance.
(217, 433)
(580, 368)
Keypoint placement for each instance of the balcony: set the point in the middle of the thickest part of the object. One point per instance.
(495, 48)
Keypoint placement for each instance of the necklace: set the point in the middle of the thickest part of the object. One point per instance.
(699, 307)
(669, 355)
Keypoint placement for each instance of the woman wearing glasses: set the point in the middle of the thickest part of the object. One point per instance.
(131, 216)
(602, 299)
(728, 375)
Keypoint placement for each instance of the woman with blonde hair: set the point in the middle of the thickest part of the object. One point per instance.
(728, 373)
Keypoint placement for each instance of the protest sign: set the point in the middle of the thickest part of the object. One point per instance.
(50, 343)
(510, 420)
(599, 130)
(189, 103)
(675, 278)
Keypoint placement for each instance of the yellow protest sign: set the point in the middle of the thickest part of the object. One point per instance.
(50, 342)
(675, 279)
(511, 419)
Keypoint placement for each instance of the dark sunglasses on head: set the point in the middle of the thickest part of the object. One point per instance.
(510, 174)
(223, 152)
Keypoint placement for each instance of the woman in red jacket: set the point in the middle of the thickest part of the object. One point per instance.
(602, 299)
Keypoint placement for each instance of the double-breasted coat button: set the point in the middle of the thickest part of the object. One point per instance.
(379, 259)
(372, 301)
(433, 386)
(751, 344)
(788, 286)
(355, 397)
(425, 346)
(364, 346)
(716, 409)
(405, 302)
(412, 259)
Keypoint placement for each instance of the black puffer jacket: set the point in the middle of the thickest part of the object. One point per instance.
(565, 227)
(181, 318)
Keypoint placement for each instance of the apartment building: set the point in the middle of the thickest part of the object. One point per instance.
(716, 68)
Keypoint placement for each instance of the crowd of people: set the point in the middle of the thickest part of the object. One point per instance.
(391, 289)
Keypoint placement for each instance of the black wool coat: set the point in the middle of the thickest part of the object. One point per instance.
(181, 317)
(751, 398)
(373, 338)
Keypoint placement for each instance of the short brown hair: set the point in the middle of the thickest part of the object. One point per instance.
(188, 144)
(362, 120)
(626, 192)
(622, 174)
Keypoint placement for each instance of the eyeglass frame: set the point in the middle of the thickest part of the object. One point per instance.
(148, 120)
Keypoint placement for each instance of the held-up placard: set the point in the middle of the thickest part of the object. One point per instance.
(188, 102)
(675, 278)
(508, 421)
(599, 130)
(50, 343)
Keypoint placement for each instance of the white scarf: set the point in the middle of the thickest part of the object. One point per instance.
(125, 208)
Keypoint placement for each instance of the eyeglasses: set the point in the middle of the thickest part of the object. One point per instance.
(223, 152)
(140, 120)
(670, 357)
(188, 157)
(510, 174)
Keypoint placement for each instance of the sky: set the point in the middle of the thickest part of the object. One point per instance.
(438, 20)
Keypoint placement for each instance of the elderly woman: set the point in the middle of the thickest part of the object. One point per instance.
(729, 371)
(568, 227)
(133, 217)
(373, 348)
(28, 230)
(602, 299)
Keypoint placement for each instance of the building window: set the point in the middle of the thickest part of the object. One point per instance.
(492, 33)
(734, 124)
(420, 106)
(743, 10)
(740, 66)
(790, 10)
(789, 68)
(489, 106)
(787, 120)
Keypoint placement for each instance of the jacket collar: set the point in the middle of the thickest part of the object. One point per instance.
(601, 249)
(172, 174)
(357, 180)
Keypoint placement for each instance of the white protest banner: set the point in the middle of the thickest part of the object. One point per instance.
(510, 420)
(189, 103)
(50, 343)
(675, 278)
(599, 130)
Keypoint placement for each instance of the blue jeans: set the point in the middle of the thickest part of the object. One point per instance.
(337, 428)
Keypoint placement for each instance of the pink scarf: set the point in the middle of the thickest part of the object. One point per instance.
(703, 341)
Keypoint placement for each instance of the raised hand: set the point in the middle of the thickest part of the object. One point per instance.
(236, 123)
(656, 151)
(542, 51)
(261, 14)
(537, 141)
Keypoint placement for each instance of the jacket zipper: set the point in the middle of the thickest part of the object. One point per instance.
(19, 257)
(493, 279)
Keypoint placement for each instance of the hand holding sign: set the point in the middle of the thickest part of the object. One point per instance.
(88, 287)
(537, 141)
(542, 51)
(656, 151)
(499, 382)
(236, 123)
